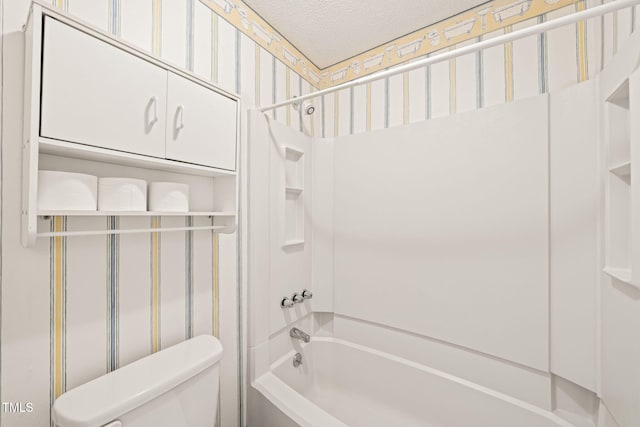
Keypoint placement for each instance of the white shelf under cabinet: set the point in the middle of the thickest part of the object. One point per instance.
(97, 154)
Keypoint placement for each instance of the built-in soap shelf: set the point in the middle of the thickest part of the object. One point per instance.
(622, 171)
(294, 152)
(294, 196)
(620, 274)
(620, 96)
(621, 252)
(294, 168)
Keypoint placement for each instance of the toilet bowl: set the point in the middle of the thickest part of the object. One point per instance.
(175, 387)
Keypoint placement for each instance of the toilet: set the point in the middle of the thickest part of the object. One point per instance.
(175, 387)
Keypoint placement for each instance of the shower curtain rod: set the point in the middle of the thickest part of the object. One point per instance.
(525, 32)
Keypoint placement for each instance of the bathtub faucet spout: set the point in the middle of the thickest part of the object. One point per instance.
(298, 334)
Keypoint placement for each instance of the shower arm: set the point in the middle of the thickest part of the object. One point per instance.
(485, 44)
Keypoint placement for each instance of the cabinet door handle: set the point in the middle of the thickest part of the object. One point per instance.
(153, 102)
(179, 118)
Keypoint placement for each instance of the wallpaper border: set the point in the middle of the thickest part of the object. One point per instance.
(471, 24)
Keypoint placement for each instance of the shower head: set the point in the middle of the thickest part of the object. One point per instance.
(305, 106)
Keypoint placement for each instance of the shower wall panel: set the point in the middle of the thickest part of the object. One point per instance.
(441, 229)
(574, 233)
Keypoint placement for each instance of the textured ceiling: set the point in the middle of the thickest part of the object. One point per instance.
(330, 31)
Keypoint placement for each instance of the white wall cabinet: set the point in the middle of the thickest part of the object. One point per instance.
(97, 94)
(97, 105)
(94, 93)
(199, 125)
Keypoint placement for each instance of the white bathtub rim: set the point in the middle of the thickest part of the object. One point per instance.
(294, 405)
(561, 422)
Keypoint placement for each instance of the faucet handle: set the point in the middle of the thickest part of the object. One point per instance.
(286, 302)
(297, 298)
(307, 294)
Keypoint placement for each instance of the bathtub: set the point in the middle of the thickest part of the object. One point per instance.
(345, 384)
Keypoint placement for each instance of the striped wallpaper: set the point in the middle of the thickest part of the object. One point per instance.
(58, 294)
(115, 299)
(75, 306)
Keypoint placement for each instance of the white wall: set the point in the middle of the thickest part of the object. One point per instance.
(289, 266)
(275, 270)
(574, 233)
(512, 379)
(391, 184)
(441, 229)
(322, 215)
(620, 351)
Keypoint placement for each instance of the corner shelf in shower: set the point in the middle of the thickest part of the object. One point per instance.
(622, 171)
(294, 174)
(622, 190)
(620, 274)
(620, 96)
(294, 190)
(292, 151)
(288, 243)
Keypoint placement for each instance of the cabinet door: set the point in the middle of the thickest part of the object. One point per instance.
(97, 94)
(201, 125)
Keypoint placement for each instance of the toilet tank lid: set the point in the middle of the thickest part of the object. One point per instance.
(110, 396)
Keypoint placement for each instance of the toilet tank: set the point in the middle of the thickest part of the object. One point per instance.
(175, 387)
